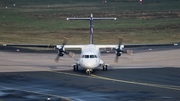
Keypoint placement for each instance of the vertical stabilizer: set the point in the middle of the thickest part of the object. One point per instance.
(91, 29)
(91, 24)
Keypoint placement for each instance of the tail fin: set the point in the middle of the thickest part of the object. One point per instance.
(91, 29)
(91, 24)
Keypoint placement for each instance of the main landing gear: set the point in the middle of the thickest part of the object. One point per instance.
(75, 67)
(105, 67)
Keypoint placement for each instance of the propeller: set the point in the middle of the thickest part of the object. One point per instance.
(119, 50)
(61, 51)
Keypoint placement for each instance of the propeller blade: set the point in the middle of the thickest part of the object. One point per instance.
(60, 51)
(116, 59)
(120, 41)
(130, 52)
(71, 54)
(64, 42)
(57, 58)
(118, 49)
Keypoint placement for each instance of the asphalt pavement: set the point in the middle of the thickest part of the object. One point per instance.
(150, 74)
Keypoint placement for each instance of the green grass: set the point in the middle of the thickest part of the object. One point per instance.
(32, 21)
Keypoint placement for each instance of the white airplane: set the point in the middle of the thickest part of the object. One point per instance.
(90, 57)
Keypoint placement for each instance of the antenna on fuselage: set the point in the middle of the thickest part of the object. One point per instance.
(91, 24)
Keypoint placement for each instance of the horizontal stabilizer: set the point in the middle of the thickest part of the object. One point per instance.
(90, 18)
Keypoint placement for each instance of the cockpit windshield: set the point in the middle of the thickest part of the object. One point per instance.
(89, 56)
(86, 56)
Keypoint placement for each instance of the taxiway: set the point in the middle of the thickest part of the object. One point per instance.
(147, 75)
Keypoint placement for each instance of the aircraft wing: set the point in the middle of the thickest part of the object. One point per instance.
(31, 45)
(44, 45)
(81, 46)
(147, 45)
(134, 45)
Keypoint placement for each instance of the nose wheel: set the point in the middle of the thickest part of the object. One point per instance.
(89, 71)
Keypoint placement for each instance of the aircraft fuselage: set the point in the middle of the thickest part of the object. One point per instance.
(90, 57)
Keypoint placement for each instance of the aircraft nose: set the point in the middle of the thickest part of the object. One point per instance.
(89, 63)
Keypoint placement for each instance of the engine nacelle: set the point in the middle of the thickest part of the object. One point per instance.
(121, 47)
(118, 53)
(119, 50)
(61, 51)
(60, 48)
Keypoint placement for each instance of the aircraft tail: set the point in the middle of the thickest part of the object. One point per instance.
(91, 24)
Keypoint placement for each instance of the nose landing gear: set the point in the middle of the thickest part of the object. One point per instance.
(89, 71)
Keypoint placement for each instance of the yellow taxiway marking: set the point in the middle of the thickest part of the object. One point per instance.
(125, 81)
(139, 83)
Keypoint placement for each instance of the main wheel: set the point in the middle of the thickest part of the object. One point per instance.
(105, 68)
(75, 68)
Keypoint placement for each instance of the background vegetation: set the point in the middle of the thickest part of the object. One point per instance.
(44, 21)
